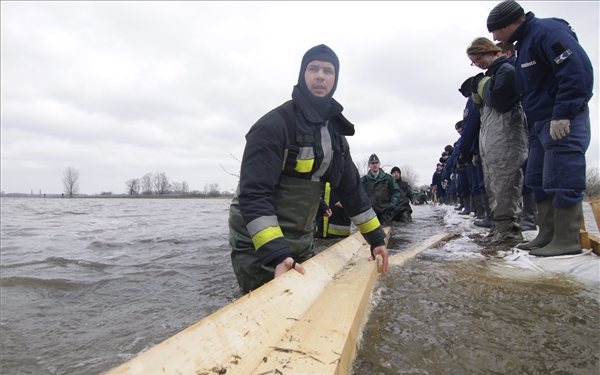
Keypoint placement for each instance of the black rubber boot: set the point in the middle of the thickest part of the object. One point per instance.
(565, 241)
(486, 221)
(478, 207)
(545, 220)
(529, 212)
(467, 209)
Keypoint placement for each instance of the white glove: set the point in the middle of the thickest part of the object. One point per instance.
(559, 129)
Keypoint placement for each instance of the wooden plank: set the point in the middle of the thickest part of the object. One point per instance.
(400, 258)
(301, 324)
(325, 340)
(232, 337)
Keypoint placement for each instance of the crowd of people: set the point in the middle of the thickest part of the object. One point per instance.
(525, 129)
(519, 159)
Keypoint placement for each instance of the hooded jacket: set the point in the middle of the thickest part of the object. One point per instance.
(324, 156)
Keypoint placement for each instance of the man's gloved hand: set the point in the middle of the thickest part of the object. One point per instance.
(559, 129)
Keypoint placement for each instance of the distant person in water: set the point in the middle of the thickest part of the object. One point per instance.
(271, 218)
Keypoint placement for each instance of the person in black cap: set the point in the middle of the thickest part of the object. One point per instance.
(404, 210)
(555, 79)
(290, 153)
(382, 191)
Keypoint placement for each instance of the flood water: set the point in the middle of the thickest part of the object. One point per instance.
(87, 284)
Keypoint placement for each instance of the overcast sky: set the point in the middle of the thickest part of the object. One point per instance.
(118, 89)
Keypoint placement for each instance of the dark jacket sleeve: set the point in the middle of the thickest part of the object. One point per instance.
(259, 174)
(470, 130)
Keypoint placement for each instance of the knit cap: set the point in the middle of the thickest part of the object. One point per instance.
(504, 14)
(373, 159)
(396, 169)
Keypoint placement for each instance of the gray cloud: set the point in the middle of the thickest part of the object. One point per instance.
(119, 89)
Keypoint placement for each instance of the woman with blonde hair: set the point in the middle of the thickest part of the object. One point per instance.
(502, 138)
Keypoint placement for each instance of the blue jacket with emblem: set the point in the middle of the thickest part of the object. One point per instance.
(554, 73)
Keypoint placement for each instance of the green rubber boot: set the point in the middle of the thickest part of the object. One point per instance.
(545, 220)
(567, 222)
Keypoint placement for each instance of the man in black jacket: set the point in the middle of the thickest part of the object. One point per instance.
(290, 153)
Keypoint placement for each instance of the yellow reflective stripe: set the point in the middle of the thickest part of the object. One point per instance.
(266, 235)
(327, 195)
(304, 166)
(369, 226)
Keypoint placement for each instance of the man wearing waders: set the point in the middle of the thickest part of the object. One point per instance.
(290, 153)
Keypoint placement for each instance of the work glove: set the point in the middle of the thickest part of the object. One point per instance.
(559, 129)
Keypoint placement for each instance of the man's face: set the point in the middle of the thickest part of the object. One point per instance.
(504, 34)
(374, 167)
(396, 174)
(319, 77)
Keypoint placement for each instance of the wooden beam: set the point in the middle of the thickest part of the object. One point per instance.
(308, 324)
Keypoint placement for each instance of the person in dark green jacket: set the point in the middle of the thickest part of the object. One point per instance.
(290, 153)
(382, 190)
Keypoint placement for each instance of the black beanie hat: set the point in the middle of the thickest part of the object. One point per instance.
(321, 53)
(504, 14)
(373, 159)
(396, 169)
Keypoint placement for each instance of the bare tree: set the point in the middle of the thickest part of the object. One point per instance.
(70, 181)
(362, 166)
(146, 183)
(133, 186)
(161, 183)
(409, 175)
(592, 182)
(179, 187)
(212, 190)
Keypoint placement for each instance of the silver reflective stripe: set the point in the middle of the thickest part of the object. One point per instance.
(339, 227)
(261, 223)
(363, 217)
(327, 153)
(306, 153)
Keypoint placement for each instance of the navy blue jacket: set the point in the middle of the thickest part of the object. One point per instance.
(554, 75)
(469, 143)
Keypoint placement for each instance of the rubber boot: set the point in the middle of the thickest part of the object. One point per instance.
(478, 207)
(529, 212)
(467, 206)
(460, 205)
(486, 221)
(565, 241)
(545, 220)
